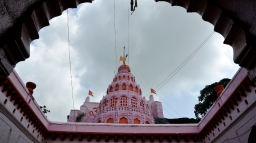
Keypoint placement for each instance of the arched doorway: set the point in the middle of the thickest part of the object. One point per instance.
(110, 120)
(123, 120)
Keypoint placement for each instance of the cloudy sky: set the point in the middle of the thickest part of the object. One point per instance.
(161, 37)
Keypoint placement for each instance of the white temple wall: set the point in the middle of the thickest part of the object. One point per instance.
(238, 124)
(156, 109)
(90, 109)
(14, 128)
(111, 140)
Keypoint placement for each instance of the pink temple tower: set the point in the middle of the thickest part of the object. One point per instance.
(124, 103)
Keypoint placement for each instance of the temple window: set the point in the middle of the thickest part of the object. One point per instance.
(99, 121)
(128, 77)
(110, 120)
(105, 103)
(136, 89)
(140, 92)
(124, 77)
(134, 102)
(142, 104)
(119, 77)
(130, 88)
(117, 87)
(111, 89)
(136, 121)
(113, 102)
(123, 101)
(124, 87)
(147, 122)
(123, 120)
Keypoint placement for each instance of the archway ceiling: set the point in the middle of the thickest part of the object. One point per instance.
(22, 19)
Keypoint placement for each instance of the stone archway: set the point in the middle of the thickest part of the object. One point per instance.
(22, 19)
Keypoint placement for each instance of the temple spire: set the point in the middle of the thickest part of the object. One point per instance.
(123, 58)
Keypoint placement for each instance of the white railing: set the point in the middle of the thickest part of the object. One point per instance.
(123, 108)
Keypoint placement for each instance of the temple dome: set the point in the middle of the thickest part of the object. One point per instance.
(124, 68)
(124, 103)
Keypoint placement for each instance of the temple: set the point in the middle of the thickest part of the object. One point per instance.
(123, 119)
(122, 104)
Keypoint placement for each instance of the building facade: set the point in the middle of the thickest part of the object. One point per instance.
(123, 103)
(231, 119)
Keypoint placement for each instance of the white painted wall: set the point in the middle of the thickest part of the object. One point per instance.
(238, 129)
(12, 129)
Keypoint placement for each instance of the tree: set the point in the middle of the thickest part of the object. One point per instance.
(80, 116)
(207, 97)
(43, 108)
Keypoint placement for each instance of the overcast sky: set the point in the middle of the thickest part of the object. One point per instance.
(161, 38)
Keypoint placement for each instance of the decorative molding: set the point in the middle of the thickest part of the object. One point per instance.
(17, 123)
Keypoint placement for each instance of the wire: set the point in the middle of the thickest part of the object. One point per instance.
(140, 73)
(150, 86)
(115, 29)
(139, 80)
(71, 83)
(170, 106)
(184, 62)
(168, 112)
(128, 33)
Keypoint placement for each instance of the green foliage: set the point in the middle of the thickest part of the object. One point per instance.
(207, 97)
(43, 108)
(80, 116)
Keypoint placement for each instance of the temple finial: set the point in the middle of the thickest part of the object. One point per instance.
(123, 58)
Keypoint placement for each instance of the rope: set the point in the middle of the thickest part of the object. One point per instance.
(115, 29)
(168, 112)
(185, 61)
(170, 106)
(71, 83)
(128, 33)
(140, 73)
(179, 68)
(151, 86)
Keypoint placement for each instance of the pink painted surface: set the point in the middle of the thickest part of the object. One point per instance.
(228, 91)
(122, 128)
(21, 88)
(123, 100)
(129, 128)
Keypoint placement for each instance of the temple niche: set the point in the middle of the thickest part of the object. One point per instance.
(122, 104)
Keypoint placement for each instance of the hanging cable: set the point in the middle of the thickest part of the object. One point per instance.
(178, 69)
(151, 86)
(169, 106)
(115, 29)
(186, 61)
(141, 74)
(71, 83)
(128, 33)
(169, 112)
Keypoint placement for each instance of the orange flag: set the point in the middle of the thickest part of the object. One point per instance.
(152, 91)
(90, 93)
(122, 58)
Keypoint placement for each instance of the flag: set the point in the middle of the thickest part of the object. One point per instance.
(90, 93)
(122, 58)
(152, 91)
